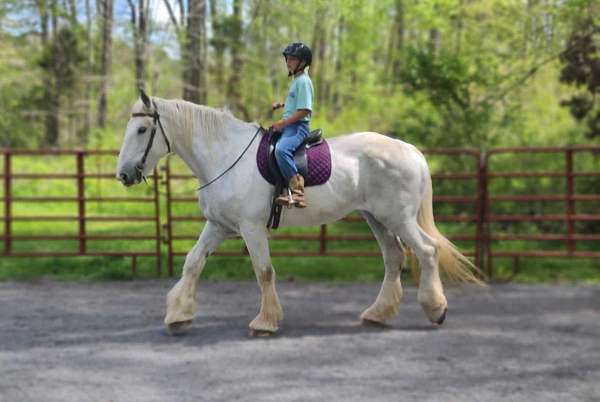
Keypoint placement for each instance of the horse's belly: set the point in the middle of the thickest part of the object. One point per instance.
(327, 203)
(312, 215)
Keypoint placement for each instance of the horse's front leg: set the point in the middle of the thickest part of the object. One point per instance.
(181, 300)
(267, 320)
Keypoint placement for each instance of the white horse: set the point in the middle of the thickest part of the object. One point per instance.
(386, 179)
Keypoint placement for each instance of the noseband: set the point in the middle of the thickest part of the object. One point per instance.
(155, 119)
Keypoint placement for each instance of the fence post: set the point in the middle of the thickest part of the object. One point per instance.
(81, 201)
(169, 229)
(480, 209)
(486, 243)
(570, 202)
(157, 221)
(7, 203)
(323, 240)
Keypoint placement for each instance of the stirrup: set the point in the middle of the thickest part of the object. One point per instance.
(291, 201)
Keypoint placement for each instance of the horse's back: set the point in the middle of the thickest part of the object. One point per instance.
(368, 169)
(377, 149)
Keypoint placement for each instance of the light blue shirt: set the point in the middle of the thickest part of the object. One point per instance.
(300, 96)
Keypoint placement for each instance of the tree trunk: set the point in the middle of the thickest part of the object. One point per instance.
(319, 39)
(337, 98)
(85, 132)
(195, 61)
(106, 9)
(434, 41)
(219, 44)
(44, 34)
(234, 97)
(458, 27)
(52, 90)
(139, 26)
(72, 12)
(396, 44)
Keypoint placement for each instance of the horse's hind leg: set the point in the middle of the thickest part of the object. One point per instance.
(181, 300)
(387, 304)
(267, 320)
(431, 293)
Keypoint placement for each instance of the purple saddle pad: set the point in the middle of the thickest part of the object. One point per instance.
(318, 160)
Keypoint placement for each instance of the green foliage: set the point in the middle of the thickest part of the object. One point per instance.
(453, 73)
(63, 56)
(436, 73)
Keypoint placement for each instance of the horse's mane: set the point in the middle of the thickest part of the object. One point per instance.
(193, 119)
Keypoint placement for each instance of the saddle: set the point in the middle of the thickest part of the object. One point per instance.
(312, 158)
(314, 138)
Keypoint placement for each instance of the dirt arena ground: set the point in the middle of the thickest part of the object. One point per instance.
(104, 341)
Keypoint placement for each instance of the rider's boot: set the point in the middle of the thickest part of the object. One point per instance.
(296, 186)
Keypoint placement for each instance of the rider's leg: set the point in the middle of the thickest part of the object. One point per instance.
(292, 136)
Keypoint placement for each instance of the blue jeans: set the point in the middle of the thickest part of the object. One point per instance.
(291, 138)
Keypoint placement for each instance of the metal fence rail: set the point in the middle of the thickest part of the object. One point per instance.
(83, 237)
(322, 238)
(565, 194)
(477, 222)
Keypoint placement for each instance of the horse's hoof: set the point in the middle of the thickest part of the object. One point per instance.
(179, 327)
(440, 320)
(259, 333)
(373, 324)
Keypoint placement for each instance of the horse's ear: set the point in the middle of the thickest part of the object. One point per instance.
(145, 98)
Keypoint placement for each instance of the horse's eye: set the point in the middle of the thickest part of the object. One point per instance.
(141, 130)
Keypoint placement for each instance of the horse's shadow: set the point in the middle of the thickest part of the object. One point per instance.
(206, 332)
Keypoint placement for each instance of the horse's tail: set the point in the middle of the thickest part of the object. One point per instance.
(455, 265)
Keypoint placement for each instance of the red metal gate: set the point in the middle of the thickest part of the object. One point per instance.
(17, 242)
(470, 172)
(470, 188)
(561, 182)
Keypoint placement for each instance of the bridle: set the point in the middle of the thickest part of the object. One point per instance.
(155, 120)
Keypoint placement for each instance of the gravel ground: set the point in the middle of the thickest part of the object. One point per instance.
(104, 341)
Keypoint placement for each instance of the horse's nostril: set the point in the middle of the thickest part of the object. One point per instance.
(123, 177)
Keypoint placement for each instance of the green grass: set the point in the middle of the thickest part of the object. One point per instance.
(550, 270)
(334, 269)
(533, 270)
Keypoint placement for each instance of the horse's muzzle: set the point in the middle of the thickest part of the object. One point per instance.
(129, 176)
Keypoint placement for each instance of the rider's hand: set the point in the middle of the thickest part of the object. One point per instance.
(276, 105)
(278, 126)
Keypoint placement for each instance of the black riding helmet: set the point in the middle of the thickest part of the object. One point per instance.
(300, 51)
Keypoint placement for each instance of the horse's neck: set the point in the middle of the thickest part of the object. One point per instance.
(207, 154)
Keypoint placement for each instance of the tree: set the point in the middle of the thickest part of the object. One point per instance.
(235, 32)
(106, 18)
(396, 43)
(219, 42)
(139, 26)
(318, 68)
(581, 67)
(60, 61)
(195, 60)
(87, 90)
(190, 30)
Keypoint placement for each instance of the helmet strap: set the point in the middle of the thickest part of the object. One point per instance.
(298, 68)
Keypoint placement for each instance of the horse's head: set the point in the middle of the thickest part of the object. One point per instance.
(141, 150)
